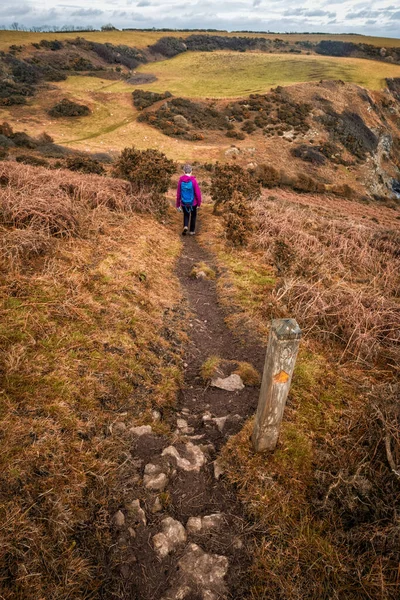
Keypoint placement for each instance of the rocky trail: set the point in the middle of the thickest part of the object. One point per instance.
(183, 534)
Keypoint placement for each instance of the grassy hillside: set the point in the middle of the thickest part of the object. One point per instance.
(229, 74)
(328, 492)
(87, 337)
(141, 39)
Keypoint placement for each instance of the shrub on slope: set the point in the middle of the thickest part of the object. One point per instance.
(67, 108)
(143, 99)
(145, 169)
(228, 179)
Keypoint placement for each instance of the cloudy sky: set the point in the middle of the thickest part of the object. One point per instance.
(373, 17)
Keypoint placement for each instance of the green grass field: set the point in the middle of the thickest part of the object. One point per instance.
(229, 74)
(141, 39)
(112, 124)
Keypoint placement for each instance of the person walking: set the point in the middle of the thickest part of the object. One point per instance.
(188, 199)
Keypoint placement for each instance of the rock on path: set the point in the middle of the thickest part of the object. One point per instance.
(194, 461)
(199, 573)
(233, 383)
(173, 534)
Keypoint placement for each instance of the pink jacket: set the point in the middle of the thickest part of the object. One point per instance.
(197, 192)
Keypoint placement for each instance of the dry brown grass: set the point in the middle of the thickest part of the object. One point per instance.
(340, 278)
(325, 501)
(89, 335)
(326, 498)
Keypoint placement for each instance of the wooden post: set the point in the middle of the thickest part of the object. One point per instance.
(283, 345)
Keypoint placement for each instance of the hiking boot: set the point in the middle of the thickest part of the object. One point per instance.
(192, 233)
(185, 230)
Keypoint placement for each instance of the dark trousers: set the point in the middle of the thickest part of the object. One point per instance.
(190, 214)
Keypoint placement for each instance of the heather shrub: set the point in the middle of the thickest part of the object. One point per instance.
(125, 55)
(309, 154)
(168, 46)
(283, 255)
(249, 126)
(45, 138)
(6, 130)
(143, 99)
(196, 115)
(238, 215)
(335, 48)
(145, 169)
(23, 140)
(29, 159)
(54, 150)
(5, 142)
(84, 164)
(228, 179)
(67, 108)
(344, 190)
(305, 183)
(50, 45)
(267, 175)
(13, 93)
(102, 157)
(237, 135)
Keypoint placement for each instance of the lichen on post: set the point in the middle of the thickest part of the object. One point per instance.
(283, 346)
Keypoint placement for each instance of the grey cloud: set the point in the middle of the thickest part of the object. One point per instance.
(362, 14)
(302, 12)
(128, 15)
(15, 11)
(274, 15)
(87, 12)
(319, 13)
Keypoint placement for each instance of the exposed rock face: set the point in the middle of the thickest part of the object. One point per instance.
(233, 383)
(194, 460)
(173, 533)
(200, 573)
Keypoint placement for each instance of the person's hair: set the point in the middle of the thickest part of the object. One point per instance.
(187, 169)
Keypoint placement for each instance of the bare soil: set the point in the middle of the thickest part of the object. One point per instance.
(145, 576)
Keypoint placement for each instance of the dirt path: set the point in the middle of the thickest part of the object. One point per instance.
(174, 552)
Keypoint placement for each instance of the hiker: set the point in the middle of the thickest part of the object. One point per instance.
(188, 199)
